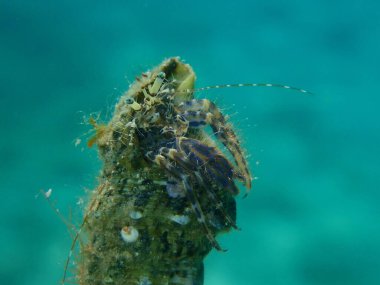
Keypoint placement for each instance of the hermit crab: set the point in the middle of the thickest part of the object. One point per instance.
(164, 119)
(166, 188)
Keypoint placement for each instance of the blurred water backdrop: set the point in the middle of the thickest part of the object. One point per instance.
(313, 214)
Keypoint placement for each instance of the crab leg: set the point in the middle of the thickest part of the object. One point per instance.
(191, 196)
(218, 204)
(192, 169)
(213, 163)
(198, 212)
(194, 156)
(201, 112)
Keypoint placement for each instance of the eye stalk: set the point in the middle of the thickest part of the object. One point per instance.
(161, 75)
(129, 101)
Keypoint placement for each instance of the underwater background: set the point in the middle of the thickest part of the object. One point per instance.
(313, 214)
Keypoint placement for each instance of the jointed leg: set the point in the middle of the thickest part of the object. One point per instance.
(194, 170)
(214, 198)
(198, 212)
(191, 196)
(202, 112)
(194, 156)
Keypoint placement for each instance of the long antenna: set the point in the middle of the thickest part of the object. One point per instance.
(247, 85)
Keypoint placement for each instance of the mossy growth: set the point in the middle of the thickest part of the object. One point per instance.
(134, 231)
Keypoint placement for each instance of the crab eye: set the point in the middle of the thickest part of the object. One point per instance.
(129, 101)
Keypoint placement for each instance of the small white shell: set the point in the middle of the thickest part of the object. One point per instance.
(129, 234)
(180, 219)
(135, 215)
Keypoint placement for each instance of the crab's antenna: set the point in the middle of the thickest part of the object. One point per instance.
(68, 224)
(248, 85)
(72, 247)
(91, 207)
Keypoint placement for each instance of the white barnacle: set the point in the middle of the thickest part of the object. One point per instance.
(129, 234)
(180, 219)
(135, 215)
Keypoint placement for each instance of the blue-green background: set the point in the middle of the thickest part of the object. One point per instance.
(313, 214)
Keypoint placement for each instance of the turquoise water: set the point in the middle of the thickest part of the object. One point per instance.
(313, 214)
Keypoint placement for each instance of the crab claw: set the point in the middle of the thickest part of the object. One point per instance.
(202, 112)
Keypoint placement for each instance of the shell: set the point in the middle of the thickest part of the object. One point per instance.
(129, 234)
(180, 219)
(135, 215)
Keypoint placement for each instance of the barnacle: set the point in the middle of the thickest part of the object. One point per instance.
(129, 234)
(165, 190)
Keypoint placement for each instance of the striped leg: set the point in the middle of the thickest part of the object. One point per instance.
(183, 178)
(194, 156)
(202, 112)
(198, 170)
